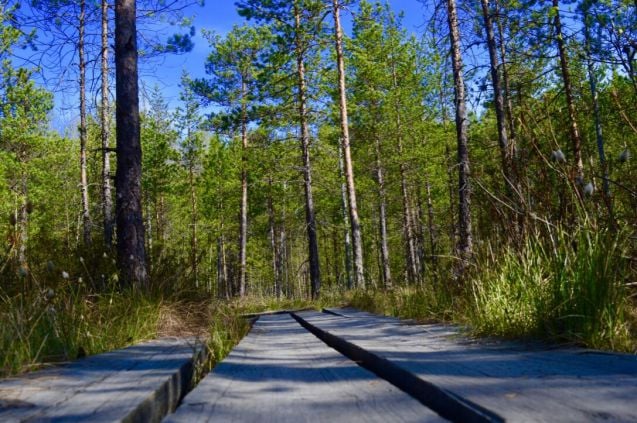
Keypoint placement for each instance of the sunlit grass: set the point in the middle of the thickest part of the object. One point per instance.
(571, 288)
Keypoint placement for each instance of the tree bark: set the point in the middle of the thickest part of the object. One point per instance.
(243, 219)
(274, 246)
(194, 247)
(500, 115)
(86, 217)
(131, 254)
(347, 236)
(465, 240)
(382, 217)
(505, 78)
(357, 243)
(430, 222)
(592, 81)
(412, 266)
(576, 142)
(107, 199)
(310, 218)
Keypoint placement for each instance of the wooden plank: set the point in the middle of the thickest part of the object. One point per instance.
(139, 383)
(282, 373)
(518, 382)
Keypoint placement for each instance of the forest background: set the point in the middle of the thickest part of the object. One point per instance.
(476, 169)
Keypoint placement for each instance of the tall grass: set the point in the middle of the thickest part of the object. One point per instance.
(571, 288)
(562, 287)
(66, 323)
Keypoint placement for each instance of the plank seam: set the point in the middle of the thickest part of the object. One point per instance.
(333, 313)
(443, 402)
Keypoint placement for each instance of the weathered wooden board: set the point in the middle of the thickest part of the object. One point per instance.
(517, 382)
(138, 383)
(282, 373)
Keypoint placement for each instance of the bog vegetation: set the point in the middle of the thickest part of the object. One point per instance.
(478, 172)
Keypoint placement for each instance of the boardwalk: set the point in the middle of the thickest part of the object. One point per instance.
(335, 366)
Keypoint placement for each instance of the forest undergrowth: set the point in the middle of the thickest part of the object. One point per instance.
(576, 288)
(51, 326)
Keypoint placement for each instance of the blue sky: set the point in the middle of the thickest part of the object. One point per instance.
(220, 16)
(216, 15)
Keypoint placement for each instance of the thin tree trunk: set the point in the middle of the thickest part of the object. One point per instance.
(348, 240)
(193, 226)
(412, 271)
(222, 274)
(273, 242)
(465, 241)
(430, 221)
(592, 80)
(382, 211)
(86, 217)
(310, 218)
(576, 142)
(22, 222)
(505, 78)
(503, 139)
(131, 254)
(357, 243)
(107, 199)
(243, 222)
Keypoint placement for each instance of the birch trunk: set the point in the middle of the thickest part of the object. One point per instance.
(86, 217)
(107, 199)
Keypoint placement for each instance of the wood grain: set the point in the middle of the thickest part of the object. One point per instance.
(516, 381)
(282, 373)
(139, 383)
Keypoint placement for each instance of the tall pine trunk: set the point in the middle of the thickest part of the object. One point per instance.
(131, 254)
(347, 234)
(576, 142)
(382, 216)
(107, 200)
(310, 218)
(86, 217)
(408, 230)
(274, 242)
(357, 242)
(243, 219)
(465, 241)
(500, 115)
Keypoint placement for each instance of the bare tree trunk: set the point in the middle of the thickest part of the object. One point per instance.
(503, 139)
(430, 221)
(107, 200)
(273, 242)
(86, 217)
(465, 241)
(243, 222)
(348, 240)
(505, 78)
(357, 243)
(131, 254)
(222, 274)
(576, 142)
(193, 225)
(382, 211)
(412, 271)
(310, 218)
(22, 221)
(592, 80)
